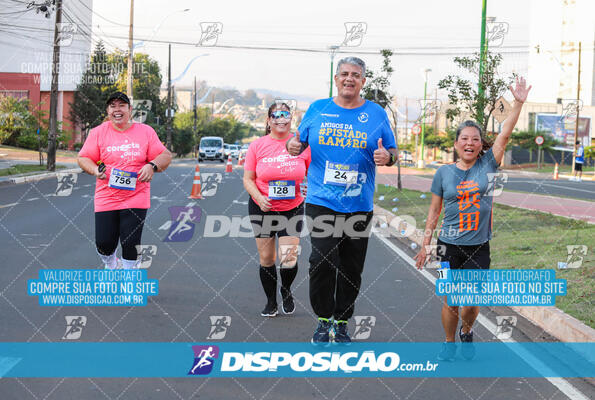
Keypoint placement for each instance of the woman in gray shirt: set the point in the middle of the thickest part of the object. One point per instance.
(466, 228)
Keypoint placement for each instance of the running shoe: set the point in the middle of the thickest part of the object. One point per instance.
(448, 352)
(118, 264)
(340, 332)
(321, 334)
(288, 305)
(467, 346)
(270, 310)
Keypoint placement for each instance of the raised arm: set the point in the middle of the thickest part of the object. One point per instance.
(520, 93)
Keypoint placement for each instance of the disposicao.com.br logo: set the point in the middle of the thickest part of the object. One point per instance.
(292, 359)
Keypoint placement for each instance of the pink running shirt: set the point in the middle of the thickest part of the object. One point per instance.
(127, 151)
(271, 162)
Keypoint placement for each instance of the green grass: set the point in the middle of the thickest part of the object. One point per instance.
(524, 239)
(24, 168)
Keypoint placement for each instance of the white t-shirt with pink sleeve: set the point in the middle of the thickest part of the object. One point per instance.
(126, 152)
(277, 170)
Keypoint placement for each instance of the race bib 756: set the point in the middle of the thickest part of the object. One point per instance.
(123, 180)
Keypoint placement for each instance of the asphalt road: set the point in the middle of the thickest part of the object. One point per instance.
(517, 181)
(206, 277)
(584, 190)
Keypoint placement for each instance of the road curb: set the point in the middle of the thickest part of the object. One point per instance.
(551, 319)
(557, 323)
(37, 177)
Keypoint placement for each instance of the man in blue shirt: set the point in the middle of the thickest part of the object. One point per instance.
(579, 160)
(348, 137)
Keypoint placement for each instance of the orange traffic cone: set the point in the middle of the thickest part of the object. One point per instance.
(240, 160)
(556, 172)
(196, 185)
(228, 166)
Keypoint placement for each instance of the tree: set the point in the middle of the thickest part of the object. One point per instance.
(18, 125)
(376, 90)
(146, 83)
(435, 141)
(526, 140)
(15, 119)
(98, 81)
(107, 73)
(590, 154)
(184, 138)
(463, 94)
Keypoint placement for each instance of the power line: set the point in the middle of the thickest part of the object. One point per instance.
(405, 51)
(82, 12)
(101, 16)
(396, 52)
(15, 12)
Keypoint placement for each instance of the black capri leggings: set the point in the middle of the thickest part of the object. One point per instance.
(124, 225)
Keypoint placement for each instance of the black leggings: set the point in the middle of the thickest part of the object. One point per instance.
(124, 225)
(336, 264)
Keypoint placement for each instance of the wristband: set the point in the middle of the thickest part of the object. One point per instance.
(392, 160)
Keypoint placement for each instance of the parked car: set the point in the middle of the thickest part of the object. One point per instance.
(244, 150)
(405, 156)
(235, 150)
(211, 148)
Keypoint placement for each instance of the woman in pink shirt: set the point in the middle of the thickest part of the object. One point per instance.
(123, 155)
(273, 178)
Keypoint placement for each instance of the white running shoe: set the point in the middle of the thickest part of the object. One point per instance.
(116, 265)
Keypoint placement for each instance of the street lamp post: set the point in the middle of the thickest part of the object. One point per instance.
(333, 50)
(482, 58)
(157, 27)
(423, 119)
(169, 115)
(129, 76)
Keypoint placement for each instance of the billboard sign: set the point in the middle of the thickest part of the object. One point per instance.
(562, 130)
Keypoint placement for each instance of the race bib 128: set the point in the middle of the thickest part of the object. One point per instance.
(281, 190)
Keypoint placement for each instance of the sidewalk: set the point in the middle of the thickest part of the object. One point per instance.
(10, 156)
(16, 155)
(570, 208)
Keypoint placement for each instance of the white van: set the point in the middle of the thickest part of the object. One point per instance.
(211, 148)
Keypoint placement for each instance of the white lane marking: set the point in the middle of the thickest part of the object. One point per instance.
(33, 198)
(562, 384)
(556, 186)
(240, 202)
(8, 205)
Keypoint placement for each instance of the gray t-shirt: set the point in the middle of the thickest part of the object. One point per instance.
(467, 199)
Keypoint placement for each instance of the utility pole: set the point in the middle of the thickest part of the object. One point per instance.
(423, 121)
(436, 117)
(333, 50)
(395, 113)
(578, 101)
(212, 105)
(169, 107)
(53, 128)
(482, 59)
(195, 116)
(130, 53)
